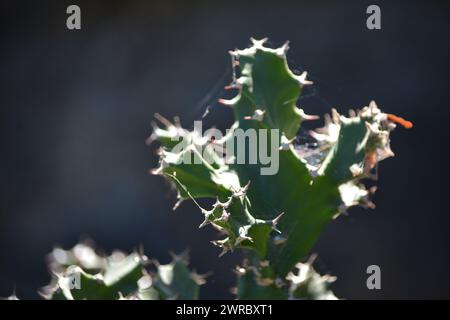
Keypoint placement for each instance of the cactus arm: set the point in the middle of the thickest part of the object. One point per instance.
(193, 180)
(117, 276)
(306, 283)
(175, 281)
(267, 83)
(249, 289)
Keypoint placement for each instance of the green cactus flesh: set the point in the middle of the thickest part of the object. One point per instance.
(276, 218)
(118, 276)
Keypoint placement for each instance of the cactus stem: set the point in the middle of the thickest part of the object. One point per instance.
(313, 185)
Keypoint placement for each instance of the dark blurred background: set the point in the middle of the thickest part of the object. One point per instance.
(76, 108)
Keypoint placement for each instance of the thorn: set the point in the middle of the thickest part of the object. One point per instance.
(258, 43)
(183, 257)
(13, 295)
(225, 216)
(234, 53)
(150, 140)
(371, 205)
(275, 222)
(369, 127)
(335, 116)
(163, 120)
(231, 86)
(258, 115)
(342, 209)
(281, 51)
(242, 191)
(329, 279)
(155, 262)
(224, 251)
(225, 102)
(204, 223)
(307, 117)
(239, 239)
(155, 171)
(285, 143)
(177, 204)
(243, 231)
(199, 279)
(46, 292)
(285, 46)
(206, 213)
(55, 274)
(312, 258)
(302, 79)
(240, 270)
(225, 204)
(141, 253)
(177, 122)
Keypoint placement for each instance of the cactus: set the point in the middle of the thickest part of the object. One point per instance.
(273, 210)
(276, 218)
(80, 273)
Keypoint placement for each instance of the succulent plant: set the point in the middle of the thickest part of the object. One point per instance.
(80, 273)
(275, 216)
(271, 195)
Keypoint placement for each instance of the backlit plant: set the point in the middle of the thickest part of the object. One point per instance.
(275, 218)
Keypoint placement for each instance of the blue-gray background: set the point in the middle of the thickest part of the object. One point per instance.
(76, 108)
